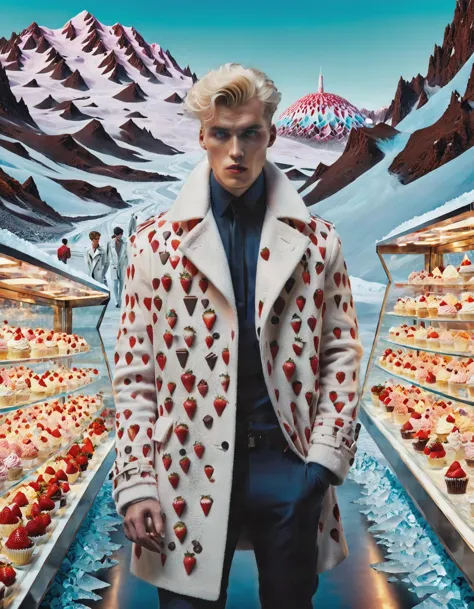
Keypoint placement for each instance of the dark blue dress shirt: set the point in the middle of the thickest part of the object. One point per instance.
(253, 401)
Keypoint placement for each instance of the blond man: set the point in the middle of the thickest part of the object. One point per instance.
(237, 366)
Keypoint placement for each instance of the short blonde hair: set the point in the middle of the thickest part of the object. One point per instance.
(231, 85)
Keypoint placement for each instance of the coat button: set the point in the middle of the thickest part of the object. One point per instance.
(225, 445)
(182, 452)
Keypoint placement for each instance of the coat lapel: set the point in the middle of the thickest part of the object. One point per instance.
(203, 245)
(286, 247)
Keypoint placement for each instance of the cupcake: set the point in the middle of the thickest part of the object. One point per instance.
(442, 378)
(29, 454)
(469, 454)
(36, 530)
(467, 311)
(457, 381)
(8, 522)
(19, 547)
(466, 269)
(3, 349)
(454, 445)
(375, 392)
(436, 455)
(410, 307)
(421, 440)
(72, 473)
(407, 432)
(18, 347)
(422, 307)
(3, 475)
(432, 339)
(433, 308)
(444, 427)
(14, 465)
(447, 311)
(421, 335)
(461, 341)
(401, 414)
(450, 275)
(7, 395)
(21, 500)
(456, 479)
(399, 307)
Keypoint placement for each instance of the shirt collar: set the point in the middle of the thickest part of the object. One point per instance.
(222, 198)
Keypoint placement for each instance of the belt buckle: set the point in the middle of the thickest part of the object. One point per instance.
(251, 439)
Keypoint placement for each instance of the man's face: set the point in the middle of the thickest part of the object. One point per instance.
(237, 136)
(95, 242)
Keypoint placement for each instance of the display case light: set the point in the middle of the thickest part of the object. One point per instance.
(8, 262)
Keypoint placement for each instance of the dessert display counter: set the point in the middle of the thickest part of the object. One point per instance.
(418, 395)
(56, 416)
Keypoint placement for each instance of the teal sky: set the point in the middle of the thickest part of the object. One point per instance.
(363, 47)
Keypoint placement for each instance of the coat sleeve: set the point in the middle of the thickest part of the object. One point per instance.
(134, 385)
(333, 434)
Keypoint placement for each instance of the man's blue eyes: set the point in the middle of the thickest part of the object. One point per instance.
(222, 134)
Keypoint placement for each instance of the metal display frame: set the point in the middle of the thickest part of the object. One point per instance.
(62, 316)
(452, 232)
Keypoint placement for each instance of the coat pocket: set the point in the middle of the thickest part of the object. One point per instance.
(162, 429)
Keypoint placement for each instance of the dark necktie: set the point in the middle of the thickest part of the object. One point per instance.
(237, 257)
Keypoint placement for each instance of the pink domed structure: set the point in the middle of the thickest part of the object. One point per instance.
(320, 118)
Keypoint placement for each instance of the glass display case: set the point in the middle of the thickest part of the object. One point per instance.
(56, 416)
(418, 394)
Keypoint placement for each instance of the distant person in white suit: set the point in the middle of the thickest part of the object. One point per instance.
(118, 259)
(96, 258)
(132, 225)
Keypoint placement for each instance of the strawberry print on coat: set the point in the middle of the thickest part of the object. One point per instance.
(176, 370)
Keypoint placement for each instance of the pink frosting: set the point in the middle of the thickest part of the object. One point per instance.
(470, 450)
(417, 424)
(460, 377)
(401, 409)
(4, 443)
(15, 448)
(13, 460)
(3, 473)
(29, 451)
(447, 310)
(446, 337)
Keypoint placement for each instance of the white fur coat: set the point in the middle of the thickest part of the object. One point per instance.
(176, 370)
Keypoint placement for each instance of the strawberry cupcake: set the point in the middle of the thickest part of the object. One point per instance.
(447, 311)
(420, 440)
(466, 269)
(72, 473)
(456, 479)
(19, 547)
(7, 577)
(407, 432)
(432, 339)
(8, 522)
(36, 530)
(375, 392)
(436, 455)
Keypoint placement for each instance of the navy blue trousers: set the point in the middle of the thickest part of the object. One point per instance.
(278, 498)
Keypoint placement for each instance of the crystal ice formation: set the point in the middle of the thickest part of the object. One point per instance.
(320, 117)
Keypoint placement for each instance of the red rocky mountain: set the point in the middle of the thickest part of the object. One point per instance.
(429, 148)
(360, 154)
(443, 65)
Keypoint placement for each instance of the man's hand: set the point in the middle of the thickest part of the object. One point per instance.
(143, 524)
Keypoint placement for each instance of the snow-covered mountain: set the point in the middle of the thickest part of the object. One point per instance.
(92, 115)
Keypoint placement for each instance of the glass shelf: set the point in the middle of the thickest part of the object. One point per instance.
(45, 358)
(418, 461)
(49, 397)
(11, 484)
(444, 286)
(430, 319)
(428, 388)
(438, 351)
